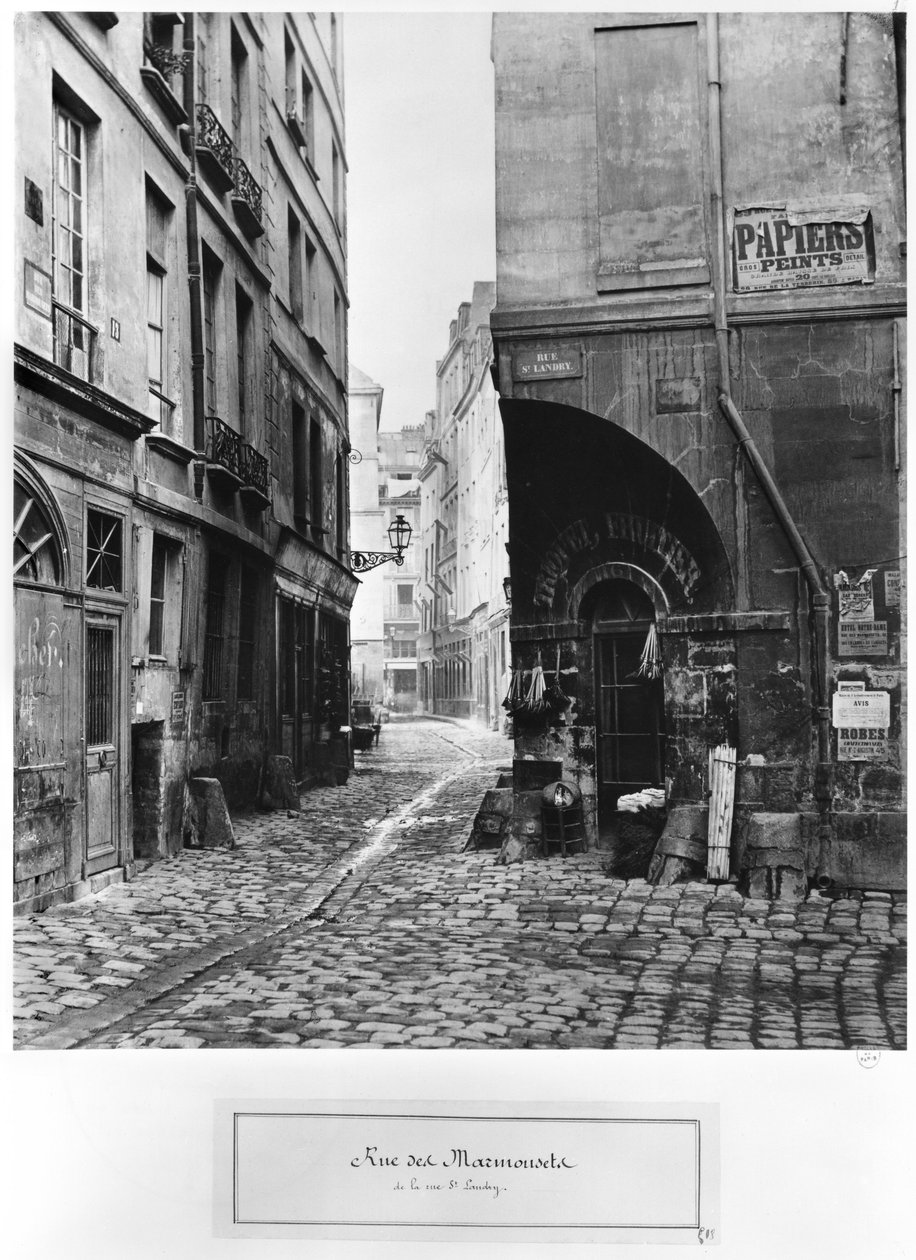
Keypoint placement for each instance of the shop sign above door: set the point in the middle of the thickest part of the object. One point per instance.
(795, 247)
(546, 362)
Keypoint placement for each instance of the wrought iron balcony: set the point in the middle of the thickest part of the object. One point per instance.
(246, 200)
(215, 150)
(255, 474)
(164, 65)
(224, 454)
(74, 342)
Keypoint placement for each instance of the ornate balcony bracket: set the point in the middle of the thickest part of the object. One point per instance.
(362, 561)
(214, 149)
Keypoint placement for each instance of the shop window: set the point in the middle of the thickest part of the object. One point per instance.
(104, 551)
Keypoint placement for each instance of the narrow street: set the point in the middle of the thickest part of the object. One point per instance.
(361, 922)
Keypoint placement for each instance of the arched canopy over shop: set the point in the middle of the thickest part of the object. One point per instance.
(589, 502)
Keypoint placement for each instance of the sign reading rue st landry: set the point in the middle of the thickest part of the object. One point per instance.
(546, 363)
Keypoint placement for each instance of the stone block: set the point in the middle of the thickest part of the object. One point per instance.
(528, 775)
(767, 830)
(208, 825)
(866, 851)
(279, 790)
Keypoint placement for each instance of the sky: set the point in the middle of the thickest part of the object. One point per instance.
(420, 192)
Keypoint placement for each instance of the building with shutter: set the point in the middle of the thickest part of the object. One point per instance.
(700, 353)
(182, 581)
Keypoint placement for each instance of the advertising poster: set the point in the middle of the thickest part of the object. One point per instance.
(786, 248)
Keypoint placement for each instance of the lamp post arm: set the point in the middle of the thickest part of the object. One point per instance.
(361, 561)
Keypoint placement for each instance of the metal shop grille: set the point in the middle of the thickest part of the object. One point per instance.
(99, 689)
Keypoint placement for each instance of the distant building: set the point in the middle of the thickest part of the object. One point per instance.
(399, 495)
(463, 645)
(182, 582)
(700, 351)
(367, 533)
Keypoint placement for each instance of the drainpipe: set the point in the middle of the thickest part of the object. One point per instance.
(194, 273)
(817, 589)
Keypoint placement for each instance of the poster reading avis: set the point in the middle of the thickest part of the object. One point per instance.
(781, 248)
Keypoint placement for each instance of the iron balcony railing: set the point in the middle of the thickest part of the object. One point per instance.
(74, 342)
(255, 470)
(213, 138)
(229, 453)
(248, 188)
(227, 169)
(224, 446)
(167, 62)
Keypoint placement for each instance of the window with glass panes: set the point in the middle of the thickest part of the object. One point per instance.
(68, 209)
(157, 591)
(158, 214)
(104, 534)
(211, 281)
(243, 309)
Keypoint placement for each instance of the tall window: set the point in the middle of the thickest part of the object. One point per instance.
(248, 616)
(338, 334)
(158, 216)
(72, 337)
(309, 281)
(316, 506)
(211, 270)
(294, 245)
(289, 57)
(68, 240)
(239, 89)
(335, 183)
(164, 598)
(308, 115)
(300, 463)
(203, 57)
(213, 639)
(243, 309)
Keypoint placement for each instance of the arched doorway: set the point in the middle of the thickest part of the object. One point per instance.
(629, 696)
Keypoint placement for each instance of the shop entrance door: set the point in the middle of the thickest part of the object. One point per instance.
(629, 708)
(103, 735)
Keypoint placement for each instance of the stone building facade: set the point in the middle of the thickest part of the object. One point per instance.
(182, 582)
(463, 645)
(700, 353)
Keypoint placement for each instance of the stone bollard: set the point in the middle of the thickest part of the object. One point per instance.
(279, 790)
(207, 823)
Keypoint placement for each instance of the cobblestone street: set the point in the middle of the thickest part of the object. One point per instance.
(361, 922)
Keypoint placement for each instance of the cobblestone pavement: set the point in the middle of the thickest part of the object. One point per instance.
(360, 922)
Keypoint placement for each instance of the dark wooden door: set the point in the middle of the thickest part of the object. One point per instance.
(103, 734)
(630, 718)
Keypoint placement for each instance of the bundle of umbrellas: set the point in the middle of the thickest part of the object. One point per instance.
(539, 699)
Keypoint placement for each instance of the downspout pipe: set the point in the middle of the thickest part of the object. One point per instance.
(818, 591)
(194, 269)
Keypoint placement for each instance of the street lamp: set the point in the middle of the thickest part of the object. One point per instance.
(507, 590)
(399, 532)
